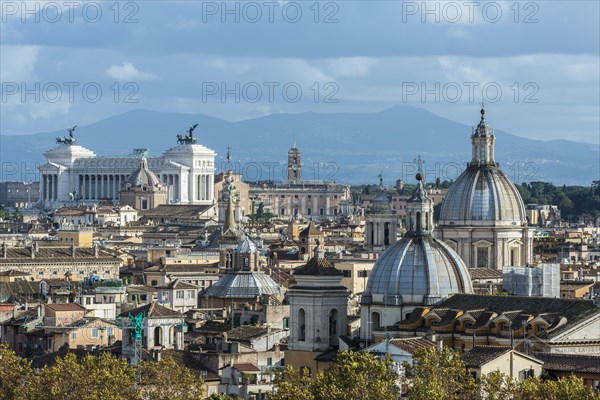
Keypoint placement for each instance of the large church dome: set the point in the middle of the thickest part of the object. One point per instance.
(418, 269)
(483, 194)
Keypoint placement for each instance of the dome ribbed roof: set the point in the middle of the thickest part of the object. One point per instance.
(244, 284)
(417, 270)
(482, 193)
(142, 176)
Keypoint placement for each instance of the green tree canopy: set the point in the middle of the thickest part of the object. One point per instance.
(353, 376)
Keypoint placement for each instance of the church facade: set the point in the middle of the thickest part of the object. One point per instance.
(73, 174)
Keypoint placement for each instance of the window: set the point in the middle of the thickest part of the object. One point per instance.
(301, 325)
(73, 335)
(540, 328)
(482, 257)
(269, 361)
(153, 282)
(504, 326)
(191, 294)
(309, 211)
(179, 294)
(286, 323)
(363, 274)
(321, 211)
(110, 332)
(347, 274)
(94, 332)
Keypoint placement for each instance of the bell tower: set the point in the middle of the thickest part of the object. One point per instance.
(294, 164)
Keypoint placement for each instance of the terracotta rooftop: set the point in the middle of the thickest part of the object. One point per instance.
(246, 332)
(573, 311)
(246, 367)
(176, 211)
(318, 267)
(177, 284)
(412, 344)
(22, 255)
(586, 363)
(481, 355)
(153, 310)
(14, 272)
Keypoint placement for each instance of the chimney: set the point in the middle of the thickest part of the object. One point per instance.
(32, 251)
(72, 249)
(4, 250)
(95, 250)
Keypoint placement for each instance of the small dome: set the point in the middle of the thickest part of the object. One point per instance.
(246, 246)
(482, 195)
(244, 284)
(142, 176)
(417, 270)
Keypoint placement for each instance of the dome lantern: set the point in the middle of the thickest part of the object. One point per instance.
(420, 210)
(482, 141)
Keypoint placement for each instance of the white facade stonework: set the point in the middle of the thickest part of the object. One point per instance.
(187, 170)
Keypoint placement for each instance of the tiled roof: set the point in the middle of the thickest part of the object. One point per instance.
(176, 211)
(412, 344)
(246, 367)
(318, 267)
(177, 284)
(588, 363)
(485, 273)
(187, 268)
(481, 355)
(310, 230)
(14, 272)
(573, 311)
(246, 332)
(214, 326)
(153, 310)
(22, 255)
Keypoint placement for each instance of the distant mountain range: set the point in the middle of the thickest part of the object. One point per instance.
(346, 147)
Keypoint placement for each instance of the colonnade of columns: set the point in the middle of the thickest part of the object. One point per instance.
(173, 184)
(49, 187)
(204, 186)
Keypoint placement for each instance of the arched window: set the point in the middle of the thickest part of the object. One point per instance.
(376, 320)
(333, 327)
(157, 336)
(301, 325)
(418, 221)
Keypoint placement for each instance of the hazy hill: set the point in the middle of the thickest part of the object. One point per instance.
(350, 147)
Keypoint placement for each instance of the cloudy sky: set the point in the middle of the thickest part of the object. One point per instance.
(535, 63)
